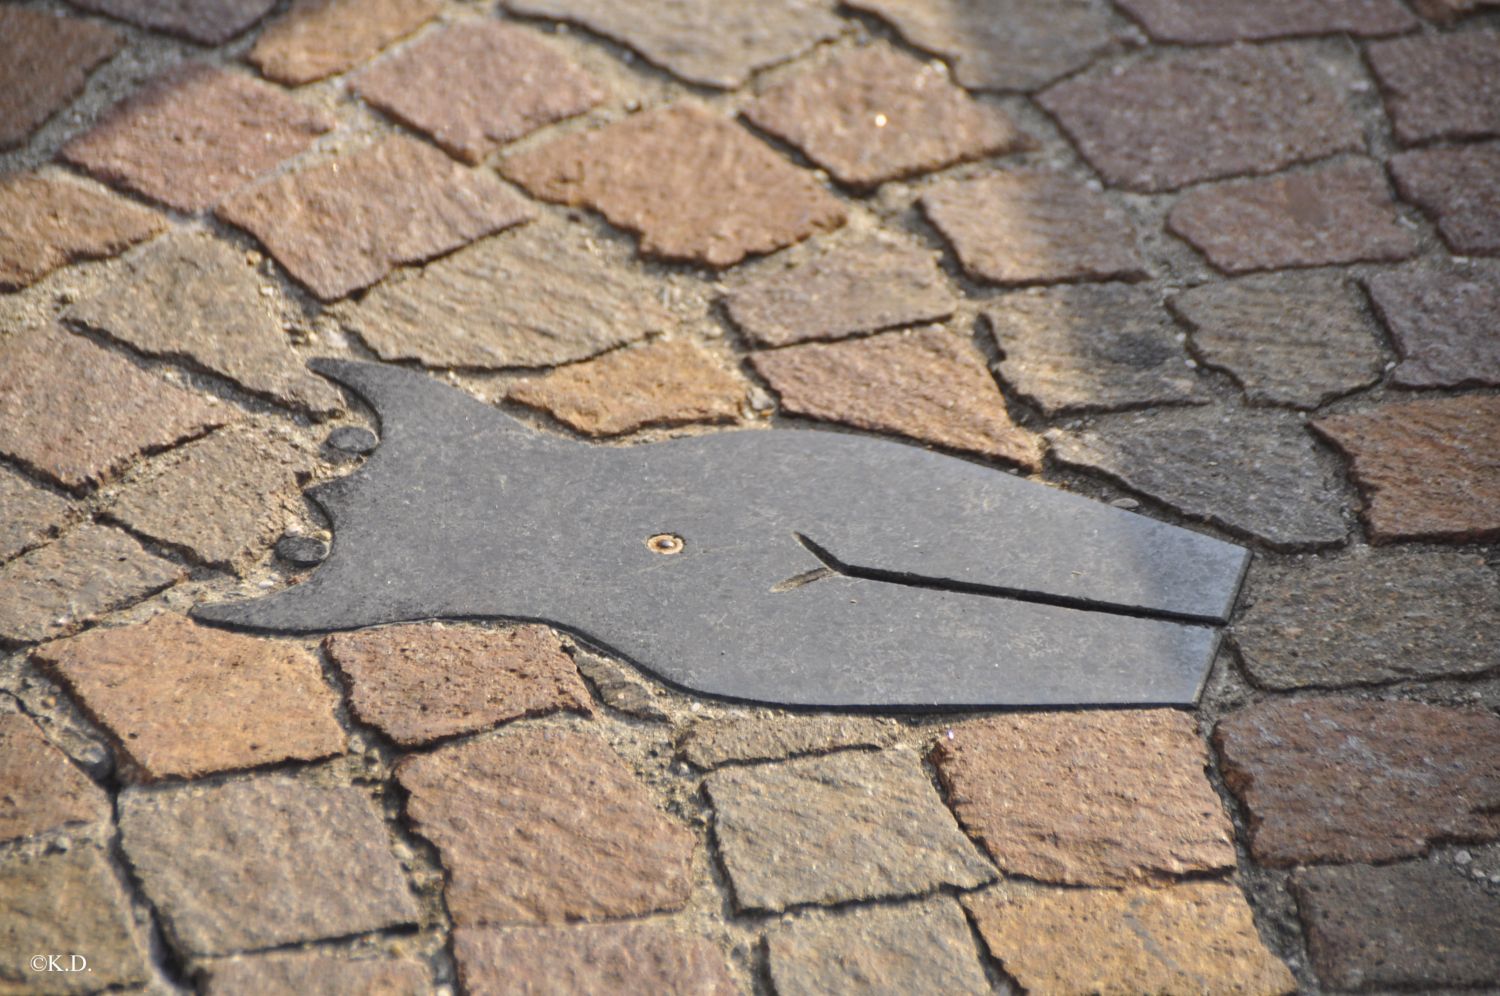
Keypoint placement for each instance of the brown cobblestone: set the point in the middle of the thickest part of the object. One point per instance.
(852, 825)
(194, 296)
(32, 514)
(590, 958)
(40, 789)
(405, 200)
(1033, 228)
(717, 43)
(1442, 323)
(1375, 617)
(318, 38)
(1298, 339)
(1002, 44)
(1097, 347)
(209, 22)
(195, 134)
(182, 701)
(89, 571)
(1200, 115)
(545, 825)
(44, 61)
(1331, 214)
(1196, 937)
(1250, 472)
(1460, 187)
(1338, 779)
(475, 86)
(692, 185)
(421, 682)
(1196, 22)
(710, 743)
(1440, 85)
(877, 114)
(98, 923)
(929, 385)
(1408, 926)
(868, 283)
(261, 863)
(51, 221)
(543, 295)
(660, 383)
(1097, 798)
(305, 972)
(1427, 469)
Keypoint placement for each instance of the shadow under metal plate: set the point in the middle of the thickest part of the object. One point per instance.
(794, 567)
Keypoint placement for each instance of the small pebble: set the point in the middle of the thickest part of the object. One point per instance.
(355, 440)
(1126, 503)
(1462, 858)
(301, 551)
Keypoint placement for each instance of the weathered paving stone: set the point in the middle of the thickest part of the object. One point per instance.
(1195, 937)
(261, 863)
(318, 38)
(90, 570)
(192, 296)
(1416, 925)
(210, 22)
(589, 958)
(52, 221)
(1200, 115)
(717, 43)
(44, 61)
(1001, 44)
(1251, 472)
(1088, 798)
(1440, 85)
(1426, 469)
(32, 514)
(67, 903)
(75, 413)
(223, 498)
(405, 200)
(1460, 186)
(1443, 325)
(1330, 214)
(710, 743)
(1375, 617)
(877, 114)
(1033, 228)
(546, 825)
(540, 296)
(923, 947)
(868, 283)
(182, 701)
(1097, 347)
(474, 87)
(1297, 339)
(312, 972)
(1339, 779)
(692, 185)
(661, 383)
(618, 686)
(852, 825)
(929, 385)
(195, 134)
(425, 681)
(40, 789)
(1195, 22)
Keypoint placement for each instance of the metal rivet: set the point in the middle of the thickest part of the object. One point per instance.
(664, 543)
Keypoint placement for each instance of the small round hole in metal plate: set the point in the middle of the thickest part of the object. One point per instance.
(664, 543)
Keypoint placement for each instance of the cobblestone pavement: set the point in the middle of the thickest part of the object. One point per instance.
(1227, 263)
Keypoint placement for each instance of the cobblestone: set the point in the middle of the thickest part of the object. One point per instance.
(209, 22)
(194, 135)
(40, 789)
(1440, 86)
(32, 514)
(644, 957)
(407, 201)
(1460, 187)
(1442, 325)
(1338, 779)
(421, 682)
(694, 186)
(52, 221)
(877, 114)
(1194, 22)
(44, 62)
(318, 38)
(474, 87)
(311, 971)
(1185, 117)
(1426, 469)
